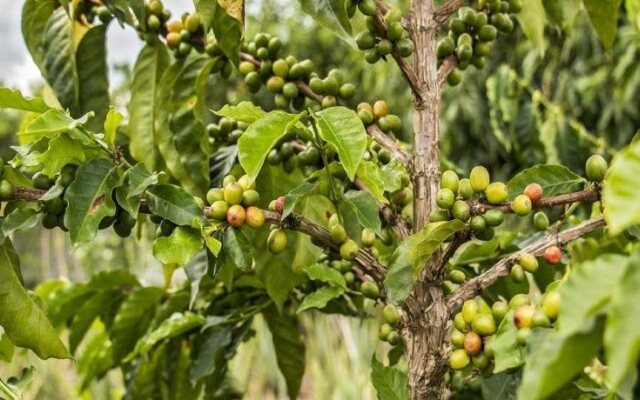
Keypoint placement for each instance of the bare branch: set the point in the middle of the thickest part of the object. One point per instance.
(591, 194)
(298, 223)
(475, 286)
(445, 69)
(446, 10)
(385, 141)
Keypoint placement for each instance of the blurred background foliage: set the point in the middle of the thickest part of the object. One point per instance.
(522, 109)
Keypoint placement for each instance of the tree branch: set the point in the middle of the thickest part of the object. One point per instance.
(406, 68)
(298, 223)
(590, 194)
(445, 11)
(294, 222)
(475, 286)
(385, 141)
(445, 69)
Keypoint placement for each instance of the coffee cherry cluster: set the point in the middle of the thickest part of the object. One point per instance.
(225, 132)
(6, 188)
(388, 330)
(235, 203)
(379, 114)
(379, 41)
(85, 11)
(348, 247)
(472, 32)
(53, 209)
(283, 76)
(185, 34)
(293, 153)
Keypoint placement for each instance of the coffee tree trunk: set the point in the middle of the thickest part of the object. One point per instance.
(427, 313)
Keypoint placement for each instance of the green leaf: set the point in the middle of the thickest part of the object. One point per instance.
(621, 337)
(180, 385)
(178, 248)
(507, 352)
(227, 29)
(150, 65)
(245, 112)
(7, 349)
(342, 128)
(604, 18)
(145, 379)
(532, 20)
(173, 203)
(111, 123)
(554, 179)
(322, 272)
(196, 269)
(20, 219)
(476, 251)
(556, 359)
(408, 259)
(87, 312)
(133, 319)
(390, 382)
(175, 325)
(138, 179)
(23, 321)
(620, 194)
(62, 150)
(15, 100)
(209, 354)
(260, 137)
(93, 76)
(60, 61)
(562, 13)
(237, 248)
(588, 291)
(331, 14)
(365, 208)
(35, 14)
(289, 347)
(371, 176)
(291, 199)
(96, 358)
(89, 199)
(320, 298)
(221, 164)
(48, 124)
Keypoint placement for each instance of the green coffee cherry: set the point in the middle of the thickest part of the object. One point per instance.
(391, 314)
(347, 91)
(464, 189)
(41, 181)
(480, 178)
(349, 249)
(233, 193)
(469, 310)
(384, 331)
(480, 361)
(596, 168)
(218, 210)
(367, 7)
(499, 309)
(370, 289)
(483, 324)
(368, 237)
(438, 216)
(250, 197)
(522, 336)
(365, 40)
(450, 181)
(6, 190)
(528, 262)
(404, 47)
(457, 338)
(460, 323)
(445, 47)
(280, 68)
(445, 198)
(494, 217)
(461, 210)
(517, 273)
(541, 221)
(497, 193)
(521, 205)
(277, 241)
(540, 319)
(487, 33)
(478, 224)
(338, 233)
(459, 359)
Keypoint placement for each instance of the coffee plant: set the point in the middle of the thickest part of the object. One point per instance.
(484, 288)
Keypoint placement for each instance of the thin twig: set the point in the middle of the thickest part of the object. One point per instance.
(590, 194)
(446, 10)
(475, 286)
(448, 64)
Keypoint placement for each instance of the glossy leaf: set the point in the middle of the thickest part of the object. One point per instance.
(604, 18)
(507, 352)
(291, 199)
(245, 111)
(554, 179)
(322, 272)
(93, 76)
(13, 99)
(178, 248)
(365, 208)
(138, 180)
(237, 248)
(371, 176)
(344, 130)
(89, 199)
(35, 14)
(149, 67)
(87, 312)
(331, 14)
(111, 123)
(260, 137)
(173, 203)
(289, 347)
(19, 219)
(390, 382)
(620, 194)
(532, 20)
(215, 339)
(320, 298)
(227, 25)
(49, 124)
(556, 360)
(59, 61)
(408, 259)
(173, 326)
(23, 321)
(61, 151)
